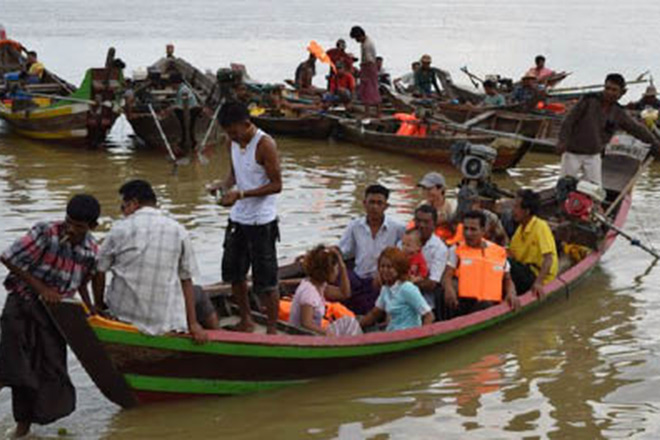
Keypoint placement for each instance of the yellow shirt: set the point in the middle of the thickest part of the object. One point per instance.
(531, 242)
(36, 69)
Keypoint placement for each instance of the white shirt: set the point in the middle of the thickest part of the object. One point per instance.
(148, 254)
(368, 51)
(251, 175)
(358, 242)
(435, 253)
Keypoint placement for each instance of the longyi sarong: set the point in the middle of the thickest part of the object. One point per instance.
(368, 87)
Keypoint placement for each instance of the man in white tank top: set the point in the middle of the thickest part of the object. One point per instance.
(252, 229)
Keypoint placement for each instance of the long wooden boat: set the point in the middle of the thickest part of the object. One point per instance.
(156, 88)
(315, 126)
(435, 147)
(54, 110)
(131, 368)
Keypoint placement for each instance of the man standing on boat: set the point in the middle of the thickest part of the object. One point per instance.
(252, 230)
(52, 261)
(152, 263)
(364, 239)
(590, 125)
(368, 89)
(481, 269)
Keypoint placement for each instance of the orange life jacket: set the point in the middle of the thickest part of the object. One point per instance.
(409, 125)
(333, 311)
(446, 234)
(480, 271)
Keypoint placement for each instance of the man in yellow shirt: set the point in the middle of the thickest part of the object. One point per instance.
(532, 252)
(35, 69)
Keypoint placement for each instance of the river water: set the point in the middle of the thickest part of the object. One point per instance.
(584, 368)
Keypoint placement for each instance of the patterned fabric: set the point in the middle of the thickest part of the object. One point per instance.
(148, 254)
(43, 253)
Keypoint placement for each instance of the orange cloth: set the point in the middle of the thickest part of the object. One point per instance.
(480, 271)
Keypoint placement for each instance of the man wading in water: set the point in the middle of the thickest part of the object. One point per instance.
(252, 229)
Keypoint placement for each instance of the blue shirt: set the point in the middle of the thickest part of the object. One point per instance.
(358, 242)
(404, 304)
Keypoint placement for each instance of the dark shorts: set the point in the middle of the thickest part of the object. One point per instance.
(251, 246)
(363, 295)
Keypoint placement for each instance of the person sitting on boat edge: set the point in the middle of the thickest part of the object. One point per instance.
(384, 78)
(435, 253)
(590, 125)
(364, 239)
(52, 261)
(406, 82)
(532, 251)
(341, 86)
(152, 263)
(480, 269)
(539, 70)
(434, 189)
(250, 188)
(322, 266)
(399, 299)
(527, 94)
(34, 68)
(305, 73)
(493, 97)
(425, 78)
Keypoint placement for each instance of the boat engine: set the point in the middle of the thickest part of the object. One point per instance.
(581, 203)
(474, 161)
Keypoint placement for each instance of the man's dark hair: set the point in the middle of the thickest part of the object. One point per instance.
(84, 208)
(377, 189)
(427, 209)
(617, 79)
(379, 58)
(139, 190)
(476, 214)
(32, 53)
(539, 58)
(233, 112)
(489, 83)
(357, 32)
(529, 200)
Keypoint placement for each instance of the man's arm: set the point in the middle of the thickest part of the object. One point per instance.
(451, 298)
(510, 295)
(537, 288)
(47, 293)
(98, 289)
(197, 332)
(637, 129)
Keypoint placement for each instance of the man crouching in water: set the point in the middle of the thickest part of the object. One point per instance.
(252, 229)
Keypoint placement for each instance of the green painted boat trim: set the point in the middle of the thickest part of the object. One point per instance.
(202, 386)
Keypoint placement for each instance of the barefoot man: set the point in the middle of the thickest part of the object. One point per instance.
(252, 229)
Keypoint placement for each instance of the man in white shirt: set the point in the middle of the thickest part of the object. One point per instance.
(364, 239)
(152, 262)
(435, 253)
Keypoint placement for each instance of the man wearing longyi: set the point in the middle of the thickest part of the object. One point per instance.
(252, 229)
(52, 261)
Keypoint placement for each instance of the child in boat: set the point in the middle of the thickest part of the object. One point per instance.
(322, 265)
(411, 243)
(399, 299)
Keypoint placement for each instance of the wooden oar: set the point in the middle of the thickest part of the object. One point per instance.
(200, 148)
(163, 137)
(70, 319)
(594, 87)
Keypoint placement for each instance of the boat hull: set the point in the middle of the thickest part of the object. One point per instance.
(314, 126)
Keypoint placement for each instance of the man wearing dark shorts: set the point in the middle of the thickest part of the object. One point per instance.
(252, 229)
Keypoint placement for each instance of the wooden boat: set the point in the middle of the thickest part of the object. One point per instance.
(54, 110)
(315, 126)
(436, 146)
(131, 368)
(155, 87)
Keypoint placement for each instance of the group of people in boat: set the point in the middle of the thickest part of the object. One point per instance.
(447, 262)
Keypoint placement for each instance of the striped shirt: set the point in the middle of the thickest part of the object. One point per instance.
(41, 252)
(148, 255)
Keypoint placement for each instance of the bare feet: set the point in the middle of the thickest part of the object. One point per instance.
(245, 327)
(22, 429)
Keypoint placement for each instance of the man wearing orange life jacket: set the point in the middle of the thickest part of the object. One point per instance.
(410, 125)
(481, 269)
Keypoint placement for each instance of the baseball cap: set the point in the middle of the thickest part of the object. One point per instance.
(432, 179)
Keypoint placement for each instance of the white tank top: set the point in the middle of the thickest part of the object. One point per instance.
(250, 175)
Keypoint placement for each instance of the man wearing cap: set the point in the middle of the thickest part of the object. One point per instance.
(590, 125)
(649, 99)
(434, 187)
(527, 93)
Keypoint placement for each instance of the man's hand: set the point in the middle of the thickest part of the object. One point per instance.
(230, 198)
(513, 301)
(198, 334)
(537, 289)
(49, 295)
(451, 299)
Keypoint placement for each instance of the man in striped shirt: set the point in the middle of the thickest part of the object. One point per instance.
(52, 261)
